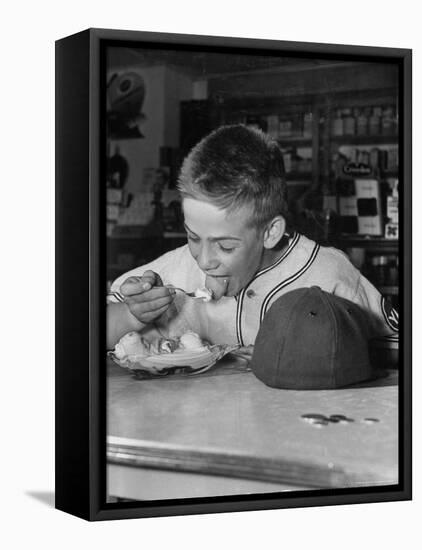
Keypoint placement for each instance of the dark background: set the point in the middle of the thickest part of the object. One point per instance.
(335, 121)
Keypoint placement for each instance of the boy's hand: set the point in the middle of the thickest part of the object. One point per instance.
(146, 297)
(245, 352)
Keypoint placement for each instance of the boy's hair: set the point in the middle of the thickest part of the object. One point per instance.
(235, 166)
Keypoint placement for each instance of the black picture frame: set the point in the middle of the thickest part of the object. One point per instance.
(80, 278)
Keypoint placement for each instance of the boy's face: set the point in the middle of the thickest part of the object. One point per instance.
(225, 248)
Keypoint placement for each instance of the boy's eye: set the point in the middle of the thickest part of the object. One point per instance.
(221, 247)
(226, 248)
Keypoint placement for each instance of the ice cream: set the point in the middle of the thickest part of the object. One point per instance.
(163, 345)
(217, 286)
(133, 347)
(131, 344)
(191, 341)
(205, 293)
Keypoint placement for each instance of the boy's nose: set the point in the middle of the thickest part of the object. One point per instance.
(206, 259)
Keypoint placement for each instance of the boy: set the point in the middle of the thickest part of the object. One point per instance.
(240, 246)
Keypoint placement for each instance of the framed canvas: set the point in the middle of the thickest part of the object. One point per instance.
(187, 378)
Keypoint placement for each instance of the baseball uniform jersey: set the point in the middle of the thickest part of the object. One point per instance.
(236, 320)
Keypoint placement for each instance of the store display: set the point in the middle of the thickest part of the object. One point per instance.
(329, 142)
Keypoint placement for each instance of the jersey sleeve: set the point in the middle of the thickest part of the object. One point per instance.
(349, 283)
(384, 318)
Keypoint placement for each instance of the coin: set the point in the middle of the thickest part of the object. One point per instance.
(340, 418)
(319, 423)
(370, 420)
(314, 416)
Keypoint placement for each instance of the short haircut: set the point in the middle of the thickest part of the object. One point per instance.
(236, 166)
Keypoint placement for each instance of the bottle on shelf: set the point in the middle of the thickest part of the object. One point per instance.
(294, 161)
(337, 124)
(287, 157)
(387, 121)
(349, 123)
(374, 122)
(307, 125)
(273, 126)
(374, 156)
(377, 270)
(393, 271)
(297, 126)
(383, 270)
(392, 159)
(362, 122)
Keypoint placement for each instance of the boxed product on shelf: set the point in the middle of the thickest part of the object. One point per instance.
(140, 211)
(360, 207)
(285, 128)
(392, 210)
(113, 212)
(368, 206)
(114, 196)
(392, 231)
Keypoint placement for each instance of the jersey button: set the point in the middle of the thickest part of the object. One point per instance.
(250, 293)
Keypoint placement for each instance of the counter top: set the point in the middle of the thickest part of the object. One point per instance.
(226, 422)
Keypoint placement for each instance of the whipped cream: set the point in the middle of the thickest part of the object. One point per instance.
(205, 293)
(192, 341)
(131, 344)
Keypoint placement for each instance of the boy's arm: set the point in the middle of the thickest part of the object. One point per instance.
(141, 301)
(120, 321)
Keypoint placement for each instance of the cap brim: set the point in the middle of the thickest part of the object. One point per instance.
(380, 377)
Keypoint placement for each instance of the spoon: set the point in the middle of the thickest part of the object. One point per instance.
(190, 294)
(122, 298)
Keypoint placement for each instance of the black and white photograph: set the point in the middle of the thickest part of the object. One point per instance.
(253, 220)
(210, 275)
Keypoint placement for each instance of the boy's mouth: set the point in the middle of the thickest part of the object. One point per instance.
(218, 285)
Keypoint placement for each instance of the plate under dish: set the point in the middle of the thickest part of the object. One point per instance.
(189, 361)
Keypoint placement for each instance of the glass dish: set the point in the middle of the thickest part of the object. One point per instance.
(179, 361)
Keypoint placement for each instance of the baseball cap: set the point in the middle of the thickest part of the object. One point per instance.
(312, 340)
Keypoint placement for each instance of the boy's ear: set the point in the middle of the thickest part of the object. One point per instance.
(274, 231)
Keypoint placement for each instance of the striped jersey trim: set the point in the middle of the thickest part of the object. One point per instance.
(391, 337)
(292, 244)
(297, 275)
(239, 317)
(116, 295)
(391, 316)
